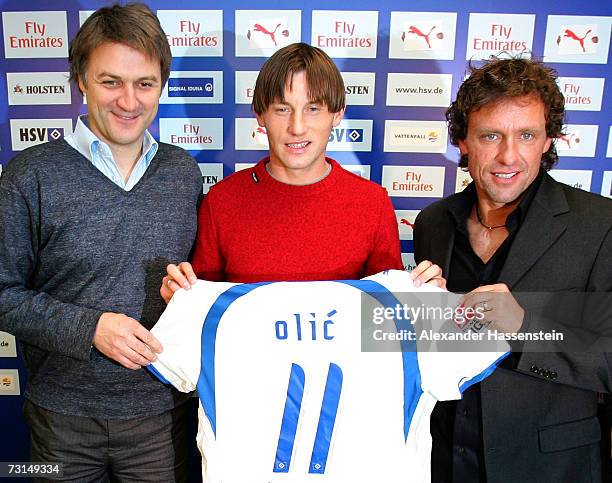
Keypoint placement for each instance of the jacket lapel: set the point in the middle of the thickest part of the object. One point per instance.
(540, 229)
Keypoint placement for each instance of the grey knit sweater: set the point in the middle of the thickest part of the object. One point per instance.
(74, 245)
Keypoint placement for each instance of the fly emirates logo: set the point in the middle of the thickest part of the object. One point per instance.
(35, 34)
(193, 33)
(490, 34)
(345, 33)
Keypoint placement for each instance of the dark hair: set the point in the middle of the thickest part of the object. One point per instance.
(507, 78)
(133, 25)
(325, 83)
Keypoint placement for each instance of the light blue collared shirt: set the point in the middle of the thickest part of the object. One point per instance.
(101, 156)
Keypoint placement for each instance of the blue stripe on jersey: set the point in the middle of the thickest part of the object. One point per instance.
(291, 415)
(206, 380)
(327, 420)
(412, 374)
(470, 382)
(157, 374)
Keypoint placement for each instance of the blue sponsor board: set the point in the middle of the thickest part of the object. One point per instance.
(191, 87)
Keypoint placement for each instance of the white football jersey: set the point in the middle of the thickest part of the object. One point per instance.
(286, 392)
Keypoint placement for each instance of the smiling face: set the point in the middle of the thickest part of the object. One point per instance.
(298, 132)
(504, 143)
(122, 87)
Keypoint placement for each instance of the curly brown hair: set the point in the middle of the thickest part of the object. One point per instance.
(503, 78)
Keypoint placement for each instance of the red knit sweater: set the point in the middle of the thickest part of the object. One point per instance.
(254, 228)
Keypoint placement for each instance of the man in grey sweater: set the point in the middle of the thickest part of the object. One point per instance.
(89, 224)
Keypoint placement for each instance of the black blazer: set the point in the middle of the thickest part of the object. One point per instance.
(540, 416)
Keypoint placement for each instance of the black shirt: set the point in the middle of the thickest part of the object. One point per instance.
(456, 426)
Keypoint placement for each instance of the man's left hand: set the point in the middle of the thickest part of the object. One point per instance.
(428, 272)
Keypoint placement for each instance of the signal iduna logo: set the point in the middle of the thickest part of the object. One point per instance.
(212, 173)
(491, 33)
(351, 135)
(359, 88)
(405, 223)
(8, 347)
(35, 35)
(578, 178)
(422, 35)
(579, 140)
(414, 181)
(9, 382)
(419, 89)
(415, 136)
(37, 88)
(193, 87)
(260, 33)
(192, 133)
(250, 136)
(193, 33)
(577, 39)
(581, 93)
(462, 180)
(348, 34)
(30, 132)
(245, 86)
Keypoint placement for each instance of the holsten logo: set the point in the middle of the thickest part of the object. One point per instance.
(422, 35)
(345, 33)
(9, 382)
(8, 347)
(193, 33)
(577, 39)
(492, 33)
(579, 140)
(351, 135)
(35, 34)
(405, 223)
(33, 88)
(582, 93)
(212, 173)
(245, 85)
(578, 178)
(419, 89)
(414, 181)
(250, 136)
(30, 132)
(415, 136)
(263, 32)
(359, 88)
(192, 133)
(193, 87)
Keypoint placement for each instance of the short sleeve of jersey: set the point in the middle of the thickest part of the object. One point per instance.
(180, 329)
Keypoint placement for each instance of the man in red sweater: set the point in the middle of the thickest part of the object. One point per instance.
(296, 215)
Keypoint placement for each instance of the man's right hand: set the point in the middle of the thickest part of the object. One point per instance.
(125, 340)
(179, 276)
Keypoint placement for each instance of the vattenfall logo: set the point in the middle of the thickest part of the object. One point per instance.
(191, 87)
(415, 136)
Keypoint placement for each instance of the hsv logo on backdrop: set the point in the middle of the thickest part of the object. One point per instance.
(422, 35)
(577, 39)
(351, 135)
(492, 33)
(260, 33)
(30, 132)
(35, 34)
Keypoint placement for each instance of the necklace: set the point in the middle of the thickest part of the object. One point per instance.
(488, 227)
